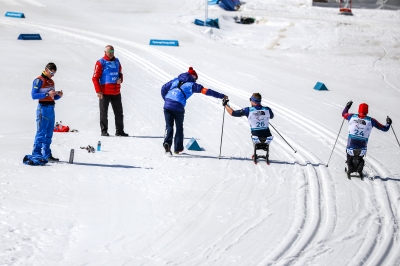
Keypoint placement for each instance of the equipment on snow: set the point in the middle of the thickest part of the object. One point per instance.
(99, 146)
(222, 132)
(327, 164)
(34, 160)
(89, 148)
(282, 137)
(71, 156)
(261, 143)
(389, 121)
(355, 162)
(61, 128)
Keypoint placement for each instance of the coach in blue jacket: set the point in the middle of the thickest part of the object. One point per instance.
(175, 94)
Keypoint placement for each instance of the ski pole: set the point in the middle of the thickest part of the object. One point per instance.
(283, 138)
(335, 143)
(222, 133)
(395, 135)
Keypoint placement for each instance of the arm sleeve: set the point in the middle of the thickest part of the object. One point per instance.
(271, 114)
(197, 88)
(121, 76)
(241, 112)
(36, 95)
(346, 115)
(98, 70)
(379, 126)
(165, 88)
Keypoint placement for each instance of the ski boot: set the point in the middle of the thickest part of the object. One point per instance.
(51, 159)
(167, 149)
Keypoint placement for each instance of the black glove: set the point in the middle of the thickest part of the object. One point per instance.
(225, 102)
(349, 104)
(388, 121)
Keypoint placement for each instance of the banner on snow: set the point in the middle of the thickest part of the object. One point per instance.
(213, 2)
(15, 15)
(210, 23)
(164, 42)
(230, 5)
(29, 37)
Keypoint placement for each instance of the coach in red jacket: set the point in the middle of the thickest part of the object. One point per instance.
(107, 79)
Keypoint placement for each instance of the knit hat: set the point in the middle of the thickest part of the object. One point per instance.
(192, 72)
(363, 109)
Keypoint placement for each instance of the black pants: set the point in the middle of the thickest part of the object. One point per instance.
(172, 116)
(116, 104)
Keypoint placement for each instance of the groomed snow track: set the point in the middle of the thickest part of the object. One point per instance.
(309, 239)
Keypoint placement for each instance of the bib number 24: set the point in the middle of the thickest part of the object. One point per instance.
(358, 133)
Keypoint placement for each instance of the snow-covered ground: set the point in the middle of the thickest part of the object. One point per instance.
(131, 205)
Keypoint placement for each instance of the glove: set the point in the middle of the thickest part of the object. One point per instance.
(349, 104)
(388, 121)
(225, 102)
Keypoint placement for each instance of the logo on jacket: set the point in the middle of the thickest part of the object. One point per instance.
(360, 121)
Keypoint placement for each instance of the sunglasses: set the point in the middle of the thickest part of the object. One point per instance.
(110, 51)
(52, 73)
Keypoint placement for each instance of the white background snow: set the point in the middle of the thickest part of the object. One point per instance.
(131, 205)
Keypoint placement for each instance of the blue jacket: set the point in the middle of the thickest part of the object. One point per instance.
(177, 91)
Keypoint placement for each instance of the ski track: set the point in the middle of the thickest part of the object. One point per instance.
(318, 222)
(380, 59)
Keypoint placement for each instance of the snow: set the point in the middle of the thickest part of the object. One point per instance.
(131, 205)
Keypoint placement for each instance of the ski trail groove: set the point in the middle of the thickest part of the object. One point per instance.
(380, 253)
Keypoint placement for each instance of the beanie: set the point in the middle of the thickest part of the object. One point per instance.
(363, 109)
(192, 72)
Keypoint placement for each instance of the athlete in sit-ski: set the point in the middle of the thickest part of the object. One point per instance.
(360, 127)
(258, 117)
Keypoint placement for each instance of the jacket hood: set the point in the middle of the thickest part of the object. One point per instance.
(186, 77)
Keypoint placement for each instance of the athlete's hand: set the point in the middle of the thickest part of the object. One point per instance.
(388, 120)
(119, 81)
(52, 93)
(100, 95)
(60, 93)
(349, 104)
(225, 101)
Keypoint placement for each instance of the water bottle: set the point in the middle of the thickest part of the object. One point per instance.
(71, 156)
(98, 146)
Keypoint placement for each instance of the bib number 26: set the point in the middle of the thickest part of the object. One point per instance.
(260, 124)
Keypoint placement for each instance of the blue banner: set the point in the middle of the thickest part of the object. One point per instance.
(213, 2)
(230, 5)
(29, 37)
(15, 15)
(164, 42)
(209, 23)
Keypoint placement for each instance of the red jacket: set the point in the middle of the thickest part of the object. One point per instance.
(107, 89)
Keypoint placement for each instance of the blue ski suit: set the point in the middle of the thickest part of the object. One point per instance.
(175, 94)
(45, 116)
